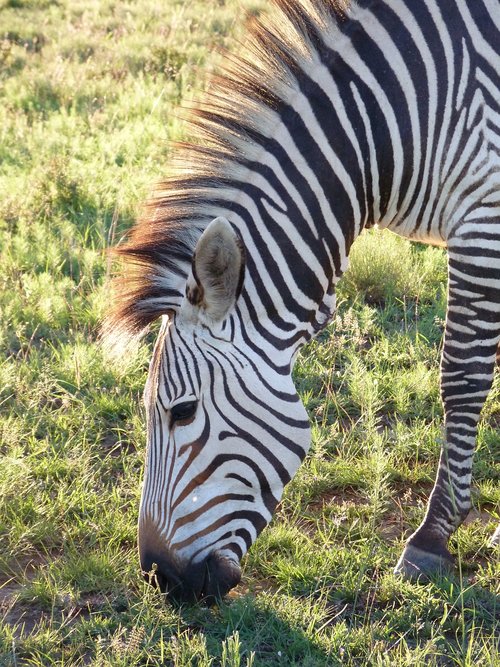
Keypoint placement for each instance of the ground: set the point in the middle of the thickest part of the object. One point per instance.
(90, 99)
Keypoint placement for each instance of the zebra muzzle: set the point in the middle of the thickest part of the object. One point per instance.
(222, 574)
(207, 581)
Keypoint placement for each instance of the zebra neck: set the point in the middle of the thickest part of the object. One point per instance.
(293, 262)
(298, 215)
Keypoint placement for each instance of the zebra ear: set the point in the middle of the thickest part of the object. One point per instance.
(217, 270)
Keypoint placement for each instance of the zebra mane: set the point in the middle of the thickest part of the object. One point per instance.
(246, 96)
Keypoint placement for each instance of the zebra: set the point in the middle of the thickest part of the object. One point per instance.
(336, 117)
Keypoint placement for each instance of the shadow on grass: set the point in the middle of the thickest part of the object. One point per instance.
(246, 631)
(273, 628)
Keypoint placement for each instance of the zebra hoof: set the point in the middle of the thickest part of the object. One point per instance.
(495, 538)
(418, 565)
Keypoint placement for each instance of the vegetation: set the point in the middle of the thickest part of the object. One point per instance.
(89, 99)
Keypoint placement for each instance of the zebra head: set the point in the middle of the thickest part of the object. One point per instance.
(226, 430)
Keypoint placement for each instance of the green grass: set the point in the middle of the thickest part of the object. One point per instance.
(89, 98)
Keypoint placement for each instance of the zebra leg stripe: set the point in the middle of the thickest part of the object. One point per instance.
(471, 340)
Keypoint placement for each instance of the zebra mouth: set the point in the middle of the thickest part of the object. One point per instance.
(207, 581)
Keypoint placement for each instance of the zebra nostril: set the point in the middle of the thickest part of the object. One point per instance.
(222, 574)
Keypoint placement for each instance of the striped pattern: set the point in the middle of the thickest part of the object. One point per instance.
(339, 116)
(213, 481)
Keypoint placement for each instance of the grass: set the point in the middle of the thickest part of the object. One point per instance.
(89, 97)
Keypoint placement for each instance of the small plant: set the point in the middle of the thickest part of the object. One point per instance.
(232, 653)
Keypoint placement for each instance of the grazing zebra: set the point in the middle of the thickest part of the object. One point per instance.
(337, 116)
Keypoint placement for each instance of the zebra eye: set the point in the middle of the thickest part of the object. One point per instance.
(183, 411)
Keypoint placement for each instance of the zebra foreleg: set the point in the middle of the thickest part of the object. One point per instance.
(467, 366)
